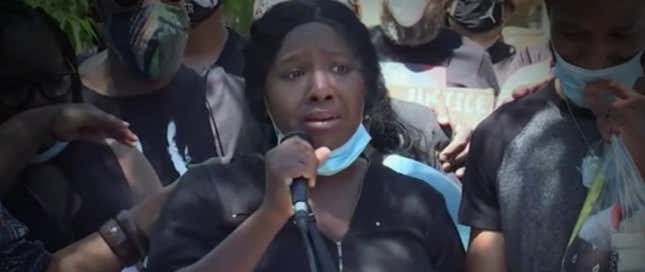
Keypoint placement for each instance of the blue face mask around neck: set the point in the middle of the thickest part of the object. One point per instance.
(343, 156)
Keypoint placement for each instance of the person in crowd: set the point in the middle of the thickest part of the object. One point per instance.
(210, 42)
(519, 70)
(140, 78)
(21, 137)
(310, 67)
(413, 33)
(523, 187)
(214, 52)
(62, 189)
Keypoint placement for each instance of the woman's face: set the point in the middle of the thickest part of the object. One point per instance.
(35, 72)
(315, 86)
(596, 34)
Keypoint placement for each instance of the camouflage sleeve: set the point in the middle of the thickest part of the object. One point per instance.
(16, 253)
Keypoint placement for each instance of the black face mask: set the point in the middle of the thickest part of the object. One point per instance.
(200, 10)
(478, 15)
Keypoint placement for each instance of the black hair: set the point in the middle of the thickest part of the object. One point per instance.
(389, 133)
(16, 12)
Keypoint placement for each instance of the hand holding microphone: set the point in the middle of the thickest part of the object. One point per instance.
(294, 160)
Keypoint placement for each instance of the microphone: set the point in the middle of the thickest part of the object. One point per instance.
(299, 197)
(311, 237)
(299, 185)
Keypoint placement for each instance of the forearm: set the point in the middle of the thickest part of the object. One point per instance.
(140, 175)
(486, 252)
(91, 254)
(147, 212)
(242, 250)
(20, 139)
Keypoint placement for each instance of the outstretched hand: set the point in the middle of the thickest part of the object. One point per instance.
(72, 122)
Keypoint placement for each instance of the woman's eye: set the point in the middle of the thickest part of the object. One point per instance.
(341, 69)
(294, 74)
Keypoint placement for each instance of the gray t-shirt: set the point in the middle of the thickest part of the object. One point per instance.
(522, 177)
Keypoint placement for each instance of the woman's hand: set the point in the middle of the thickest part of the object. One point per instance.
(85, 122)
(291, 159)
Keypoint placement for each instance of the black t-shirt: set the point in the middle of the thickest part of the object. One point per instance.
(71, 196)
(522, 177)
(181, 124)
(400, 224)
(172, 124)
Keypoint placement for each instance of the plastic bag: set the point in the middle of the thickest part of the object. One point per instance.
(610, 232)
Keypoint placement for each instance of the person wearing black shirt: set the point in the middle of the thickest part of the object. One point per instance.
(524, 188)
(181, 115)
(310, 67)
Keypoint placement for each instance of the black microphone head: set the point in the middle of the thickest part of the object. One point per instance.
(298, 134)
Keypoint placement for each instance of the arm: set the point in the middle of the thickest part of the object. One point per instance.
(254, 236)
(480, 207)
(92, 254)
(194, 233)
(138, 172)
(23, 134)
(185, 241)
(486, 252)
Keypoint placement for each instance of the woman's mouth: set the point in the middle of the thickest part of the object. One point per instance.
(321, 120)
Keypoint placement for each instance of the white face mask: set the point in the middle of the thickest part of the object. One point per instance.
(407, 12)
(411, 23)
(49, 154)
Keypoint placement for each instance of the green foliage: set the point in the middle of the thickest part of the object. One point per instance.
(239, 15)
(73, 18)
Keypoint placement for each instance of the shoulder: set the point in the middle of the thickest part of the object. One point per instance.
(506, 122)
(406, 192)
(221, 183)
